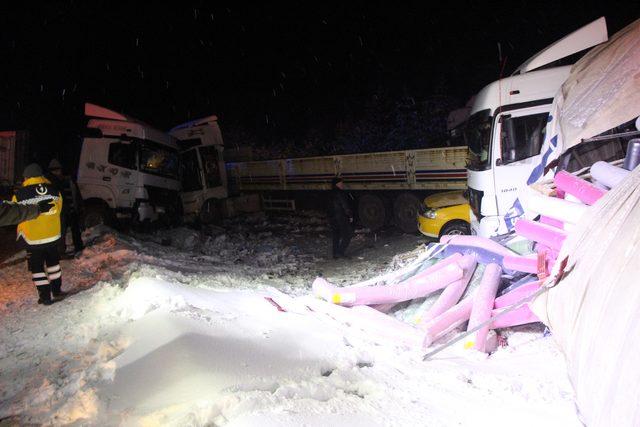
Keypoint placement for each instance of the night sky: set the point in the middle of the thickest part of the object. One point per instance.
(269, 72)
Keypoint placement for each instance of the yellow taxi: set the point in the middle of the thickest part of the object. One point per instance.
(444, 213)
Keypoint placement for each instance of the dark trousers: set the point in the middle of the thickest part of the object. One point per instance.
(342, 233)
(70, 219)
(44, 265)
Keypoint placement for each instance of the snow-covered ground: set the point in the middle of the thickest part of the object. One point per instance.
(218, 327)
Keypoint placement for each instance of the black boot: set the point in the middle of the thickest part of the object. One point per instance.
(44, 294)
(56, 290)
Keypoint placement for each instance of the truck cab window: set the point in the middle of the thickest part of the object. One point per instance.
(477, 135)
(190, 171)
(522, 137)
(123, 155)
(158, 159)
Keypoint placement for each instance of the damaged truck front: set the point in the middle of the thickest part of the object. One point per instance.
(127, 170)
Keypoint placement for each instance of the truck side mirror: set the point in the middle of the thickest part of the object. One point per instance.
(498, 162)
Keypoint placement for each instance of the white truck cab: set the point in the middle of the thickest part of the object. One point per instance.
(127, 169)
(203, 173)
(506, 129)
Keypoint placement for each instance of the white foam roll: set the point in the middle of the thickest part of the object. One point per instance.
(563, 210)
(607, 174)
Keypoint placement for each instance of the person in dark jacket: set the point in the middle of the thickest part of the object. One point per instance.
(340, 218)
(40, 235)
(71, 207)
(14, 213)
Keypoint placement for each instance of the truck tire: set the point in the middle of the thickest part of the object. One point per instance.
(372, 212)
(211, 212)
(405, 212)
(455, 228)
(95, 214)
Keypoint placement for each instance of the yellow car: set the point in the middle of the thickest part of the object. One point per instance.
(444, 213)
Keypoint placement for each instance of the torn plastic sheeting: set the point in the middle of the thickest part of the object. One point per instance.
(593, 310)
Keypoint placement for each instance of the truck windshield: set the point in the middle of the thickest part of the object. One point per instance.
(477, 135)
(158, 159)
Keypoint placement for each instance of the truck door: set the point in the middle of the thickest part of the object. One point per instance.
(121, 173)
(192, 182)
(517, 142)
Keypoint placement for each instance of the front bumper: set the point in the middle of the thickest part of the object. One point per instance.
(431, 227)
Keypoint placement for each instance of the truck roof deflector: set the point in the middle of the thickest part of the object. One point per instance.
(93, 110)
(581, 39)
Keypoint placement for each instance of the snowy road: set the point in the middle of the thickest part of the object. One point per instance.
(185, 335)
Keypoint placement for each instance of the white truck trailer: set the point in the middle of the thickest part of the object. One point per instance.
(386, 185)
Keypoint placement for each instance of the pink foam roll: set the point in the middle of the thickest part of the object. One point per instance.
(460, 313)
(542, 233)
(326, 290)
(552, 222)
(451, 259)
(322, 288)
(578, 187)
(452, 293)
(447, 321)
(483, 304)
(517, 294)
(477, 241)
(416, 287)
(519, 316)
(520, 263)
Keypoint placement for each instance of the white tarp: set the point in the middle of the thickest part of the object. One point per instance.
(602, 91)
(594, 311)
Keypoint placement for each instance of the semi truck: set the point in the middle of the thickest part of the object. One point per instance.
(386, 186)
(506, 135)
(506, 129)
(127, 169)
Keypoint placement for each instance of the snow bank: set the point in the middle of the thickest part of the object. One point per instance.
(161, 335)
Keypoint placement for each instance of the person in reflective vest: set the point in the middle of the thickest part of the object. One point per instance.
(41, 235)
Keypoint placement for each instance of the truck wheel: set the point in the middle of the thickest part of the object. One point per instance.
(371, 211)
(211, 212)
(455, 228)
(95, 215)
(405, 212)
